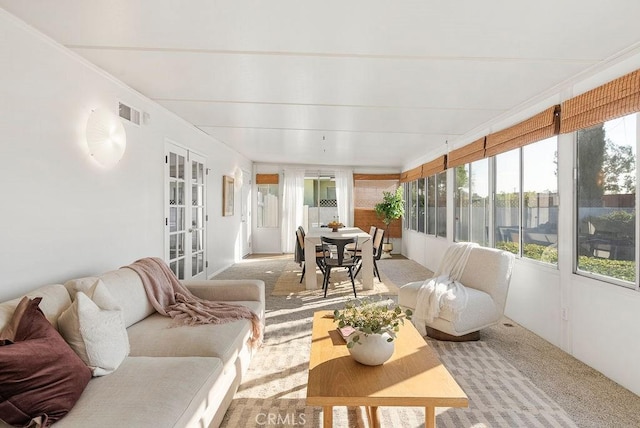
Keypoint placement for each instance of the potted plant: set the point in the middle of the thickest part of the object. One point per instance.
(391, 208)
(370, 328)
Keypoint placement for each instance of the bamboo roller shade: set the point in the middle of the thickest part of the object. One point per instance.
(539, 127)
(609, 101)
(469, 153)
(267, 178)
(412, 174)
(434, 167)
(357, 177)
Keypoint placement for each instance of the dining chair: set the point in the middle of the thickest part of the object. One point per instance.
(378, 240)
(299, 255)
(335, 256)
(372, 232)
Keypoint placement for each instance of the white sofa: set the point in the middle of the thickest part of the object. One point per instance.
(173, 377)
(486, 276)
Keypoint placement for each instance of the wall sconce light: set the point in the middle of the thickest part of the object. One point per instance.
(106, 138)
(238, 175)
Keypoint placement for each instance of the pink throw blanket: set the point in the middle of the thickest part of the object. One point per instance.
(170, 298)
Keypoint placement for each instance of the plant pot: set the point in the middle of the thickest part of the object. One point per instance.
(372, 350)
(386, 250)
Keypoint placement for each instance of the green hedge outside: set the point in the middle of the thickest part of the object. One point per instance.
(619, 269)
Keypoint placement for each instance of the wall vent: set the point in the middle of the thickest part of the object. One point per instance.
(129, 113)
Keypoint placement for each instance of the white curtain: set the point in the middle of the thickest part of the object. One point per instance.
(292, 207)
(344, 195)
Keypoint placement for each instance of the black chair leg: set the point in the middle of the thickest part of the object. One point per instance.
(375, 270)
(304, 266)
(325, 283)
(359, 267)
(353, 284)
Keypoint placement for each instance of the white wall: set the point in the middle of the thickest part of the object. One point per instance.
(62, 215)
(601, 325)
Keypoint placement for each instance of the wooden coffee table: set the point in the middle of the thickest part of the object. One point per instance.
(414, 376)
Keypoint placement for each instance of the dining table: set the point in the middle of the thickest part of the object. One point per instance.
(365, 245)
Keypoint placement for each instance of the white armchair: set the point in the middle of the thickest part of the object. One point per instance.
(486, 277)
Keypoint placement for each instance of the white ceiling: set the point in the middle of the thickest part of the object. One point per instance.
(340, 82)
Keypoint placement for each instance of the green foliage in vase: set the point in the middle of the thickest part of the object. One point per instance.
(370, 317)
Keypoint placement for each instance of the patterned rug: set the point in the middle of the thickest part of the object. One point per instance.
(273, 391)
(289, 284)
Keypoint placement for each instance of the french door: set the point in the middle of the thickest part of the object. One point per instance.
(185, 213)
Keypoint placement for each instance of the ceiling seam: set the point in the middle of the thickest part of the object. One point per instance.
(335, 55)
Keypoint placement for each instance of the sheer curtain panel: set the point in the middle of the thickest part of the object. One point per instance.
(344, 195)
(292, 207)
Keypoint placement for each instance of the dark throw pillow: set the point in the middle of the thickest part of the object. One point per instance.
(41, 378)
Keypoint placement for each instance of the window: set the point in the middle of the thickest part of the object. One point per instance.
(441, 204)
(480, 206)
(540, 201)
(320, 199)
(421, 204)
(267, 205)
(526, 220)
(405, 218)
(413, 204)
(472, 202)
(431, 205)
(507, 201)
(606, 194)
(462, 203)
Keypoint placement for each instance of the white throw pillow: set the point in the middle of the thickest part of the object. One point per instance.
(95, 329)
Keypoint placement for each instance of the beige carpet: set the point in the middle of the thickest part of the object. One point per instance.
(513, 378)
(289, 284)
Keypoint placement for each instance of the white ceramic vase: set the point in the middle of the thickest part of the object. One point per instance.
(372, 350)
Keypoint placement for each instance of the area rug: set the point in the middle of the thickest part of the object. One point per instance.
(274, 389)
(289, 284)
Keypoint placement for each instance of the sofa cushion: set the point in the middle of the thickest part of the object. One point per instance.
(10, 330)
(126, 288)
(157, 336)
(55, 299)
(94, 328)
(41, 377)
(154, 393)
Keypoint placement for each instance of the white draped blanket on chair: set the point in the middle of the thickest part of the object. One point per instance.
(444, 288)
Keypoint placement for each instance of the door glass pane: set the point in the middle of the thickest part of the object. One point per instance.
(173, 250)
(267, 205)
(179, 219)
(180, 167)
(173, 169)
(173, 219)
(196, 218)
(507, 202)
(540, 208)
(606, 199)
(179, 244)
(194, 265)
(180, 193)
(173, 193)
(197, 240)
